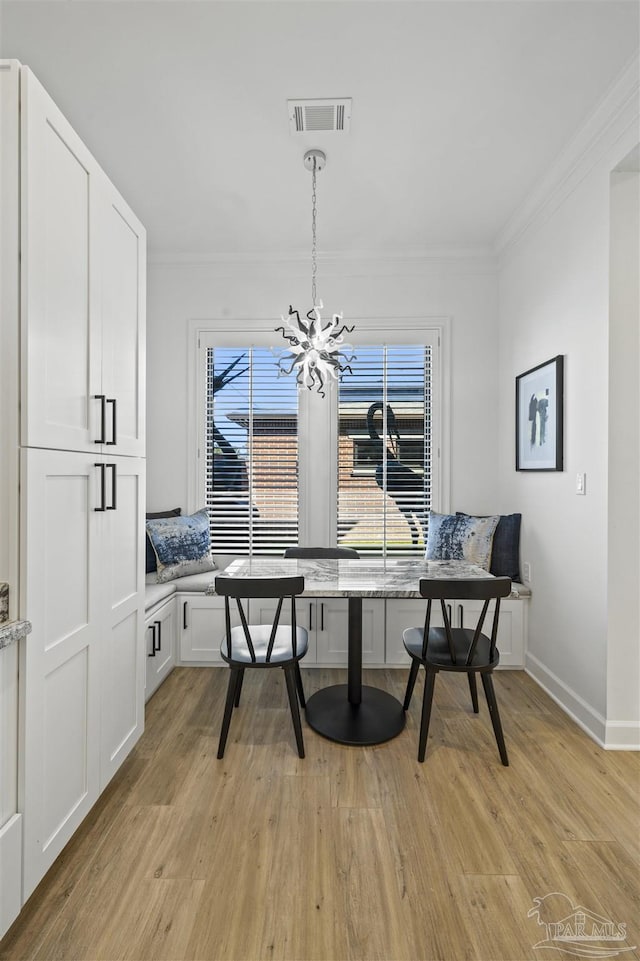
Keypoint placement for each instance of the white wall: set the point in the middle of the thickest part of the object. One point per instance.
(463, 289)
(623, 649)
(554, 299)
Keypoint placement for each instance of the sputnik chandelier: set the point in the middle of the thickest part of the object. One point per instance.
(317, 353)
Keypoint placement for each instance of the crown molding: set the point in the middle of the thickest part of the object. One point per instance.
(615, 115)
(481, 259)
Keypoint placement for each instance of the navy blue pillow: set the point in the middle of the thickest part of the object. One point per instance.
(151, 563)
(505, 553)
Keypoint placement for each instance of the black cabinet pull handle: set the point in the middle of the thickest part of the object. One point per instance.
(310, 617)
(159, 626)
(103, 491)
(103, 418)
(152, 628)
(110, 443)
(460, 615)
(184, 616)
(322, 617)
(114, 487)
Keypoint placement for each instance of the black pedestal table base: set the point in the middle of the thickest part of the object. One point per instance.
(377, 718)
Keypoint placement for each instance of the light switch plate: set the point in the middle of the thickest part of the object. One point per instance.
(581, 483)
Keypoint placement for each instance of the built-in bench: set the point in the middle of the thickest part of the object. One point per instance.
(198, 584)
(186, 625)
(191, 584)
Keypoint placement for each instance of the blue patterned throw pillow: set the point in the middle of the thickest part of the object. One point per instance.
(150, 561)
(505, 554)
(181, 545)
(457, 537)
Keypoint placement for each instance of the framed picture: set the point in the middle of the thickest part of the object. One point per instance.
(539, 416)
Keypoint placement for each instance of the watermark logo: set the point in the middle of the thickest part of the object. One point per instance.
(573, 929)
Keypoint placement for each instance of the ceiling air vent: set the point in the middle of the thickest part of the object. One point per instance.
(313, 116)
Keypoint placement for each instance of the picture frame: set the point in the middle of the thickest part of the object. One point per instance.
(540, 417)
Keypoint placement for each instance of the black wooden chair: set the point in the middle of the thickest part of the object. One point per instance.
(462, 649)
(262, 645)
(315, 553)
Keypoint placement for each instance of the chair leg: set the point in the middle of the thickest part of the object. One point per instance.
(427, 700)
(239, 687)
(411, 683)
(228, 709)
(473, 687)
(289, 673)
(487, 683)
(303, 703)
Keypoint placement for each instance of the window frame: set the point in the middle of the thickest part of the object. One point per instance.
(317, 527)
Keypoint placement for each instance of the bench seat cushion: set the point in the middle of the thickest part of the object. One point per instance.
(194, 583)
(154, 593)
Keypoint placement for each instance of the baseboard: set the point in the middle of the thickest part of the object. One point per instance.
(610, 735)
(622, 736)
(10, 872)
(571, 703)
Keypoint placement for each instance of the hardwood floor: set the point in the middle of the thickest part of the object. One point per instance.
(352, 853)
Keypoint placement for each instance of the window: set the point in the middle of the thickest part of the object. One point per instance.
(384, 450)
(251, 452)
(279, 466)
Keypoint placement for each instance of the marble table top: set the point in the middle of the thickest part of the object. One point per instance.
(371, 577)
(13, 631)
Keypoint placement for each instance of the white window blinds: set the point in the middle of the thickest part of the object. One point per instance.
(384, 450)
(251, 452)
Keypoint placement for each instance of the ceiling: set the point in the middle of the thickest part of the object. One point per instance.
(459, 108)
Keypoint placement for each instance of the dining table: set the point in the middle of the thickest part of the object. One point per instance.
(353, 713)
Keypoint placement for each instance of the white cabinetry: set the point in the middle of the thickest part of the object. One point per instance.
(201, 627)
(82, 290)
(83, 583)
(512, 628)
(160, 641)
(73, 321)
(327, 621)
(332, 622)
(10, 819)
(122, 665)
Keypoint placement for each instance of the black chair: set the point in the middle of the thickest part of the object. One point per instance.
(316, 553)
(262, 645)
(465, 650)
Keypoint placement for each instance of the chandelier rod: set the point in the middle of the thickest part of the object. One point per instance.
(314, 242)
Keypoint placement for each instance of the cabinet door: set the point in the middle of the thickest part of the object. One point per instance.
(59, 288)
(60, 593)
(263, 609)
(160, 641)
(410, 613)
(10, 820)
(83, 293)
(201, 627)
(122, 261)
(122, 670)
(332, 622)
(511, 627)
(404, 613)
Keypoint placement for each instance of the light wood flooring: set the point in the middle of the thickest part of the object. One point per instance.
(352, 853)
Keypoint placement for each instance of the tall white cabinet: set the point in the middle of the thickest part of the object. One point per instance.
(80, 324)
